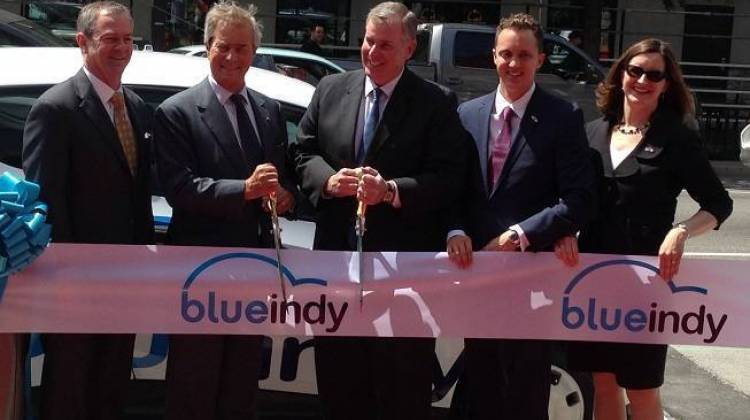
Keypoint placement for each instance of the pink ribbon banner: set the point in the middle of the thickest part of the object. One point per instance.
(78, 288)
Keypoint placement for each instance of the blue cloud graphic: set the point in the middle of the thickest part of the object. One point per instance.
(672, 286)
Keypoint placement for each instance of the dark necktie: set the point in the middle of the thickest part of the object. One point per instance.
(500, 149)
(249, 142)
(371, 126)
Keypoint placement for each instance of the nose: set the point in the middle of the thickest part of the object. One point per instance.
(643, 78)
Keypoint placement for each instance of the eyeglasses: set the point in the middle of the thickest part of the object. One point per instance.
(655, 76)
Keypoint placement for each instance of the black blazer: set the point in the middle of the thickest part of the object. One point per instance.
(637, 200)
(71, 148)
(202, 170)
(547, 183)
(417, 144)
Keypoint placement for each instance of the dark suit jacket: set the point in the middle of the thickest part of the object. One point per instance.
(637, 200)
(418, 145)
(202, 169)
(70, 147)
(546, 185)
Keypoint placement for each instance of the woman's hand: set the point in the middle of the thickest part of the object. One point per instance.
(566, 250)
(670, 252)
(459, 250)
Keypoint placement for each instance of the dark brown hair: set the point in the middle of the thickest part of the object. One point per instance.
(520, 22)
(677, 97)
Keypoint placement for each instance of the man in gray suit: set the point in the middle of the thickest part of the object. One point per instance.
(85, 143)
(221, 150)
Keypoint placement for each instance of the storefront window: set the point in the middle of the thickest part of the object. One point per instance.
(295, 18)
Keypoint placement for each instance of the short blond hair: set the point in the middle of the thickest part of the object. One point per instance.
(522, 22)
(231, 12)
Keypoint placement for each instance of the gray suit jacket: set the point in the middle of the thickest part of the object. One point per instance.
(70, 147)
(202, 170)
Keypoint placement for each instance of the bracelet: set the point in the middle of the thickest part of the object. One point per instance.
(682, 226)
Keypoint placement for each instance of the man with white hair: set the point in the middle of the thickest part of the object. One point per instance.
(221, 151)
(404, 134)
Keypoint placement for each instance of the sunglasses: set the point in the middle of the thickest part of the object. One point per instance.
(655, 76)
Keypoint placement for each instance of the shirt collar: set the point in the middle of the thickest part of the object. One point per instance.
(387, 88)
(518, 106)
(103, 91)
(222, 94)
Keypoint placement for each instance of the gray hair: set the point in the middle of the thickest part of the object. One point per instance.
(90, 12)
(389, 11)
(227, 11)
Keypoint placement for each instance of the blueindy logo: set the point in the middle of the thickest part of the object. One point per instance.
(209, 307)
(594, 315)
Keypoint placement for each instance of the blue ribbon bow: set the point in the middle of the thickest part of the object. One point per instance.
(23, 232)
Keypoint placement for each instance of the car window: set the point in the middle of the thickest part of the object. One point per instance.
(567, 63)
(473, 49)
(30, 34)
(15, 104)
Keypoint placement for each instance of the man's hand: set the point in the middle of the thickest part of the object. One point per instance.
(372, 189)
(263, 181)
(284, 201)
(459, 250)
(343, 183)
(566, 250)
(502, 243)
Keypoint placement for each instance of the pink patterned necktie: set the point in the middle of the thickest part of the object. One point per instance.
(500, 148)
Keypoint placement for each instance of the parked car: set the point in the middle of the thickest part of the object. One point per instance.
(28, 72)
(17, 31)
(306, 67)
(57, 16)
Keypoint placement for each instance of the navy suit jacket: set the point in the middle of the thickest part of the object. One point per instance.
(547, 183)
(202, 169)
(71, 148)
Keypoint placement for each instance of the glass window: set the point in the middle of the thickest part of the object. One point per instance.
(15, 104)
(295, 18)
(474, 49)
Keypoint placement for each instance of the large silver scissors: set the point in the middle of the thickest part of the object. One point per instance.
(277, 242)
(359, 229)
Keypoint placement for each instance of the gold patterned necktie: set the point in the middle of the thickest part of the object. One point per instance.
(125, 132)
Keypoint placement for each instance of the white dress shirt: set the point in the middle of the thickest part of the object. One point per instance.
(104, 92)
(224, 96)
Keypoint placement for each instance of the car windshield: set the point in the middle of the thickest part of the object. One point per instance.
(54, 15)
(29, 34)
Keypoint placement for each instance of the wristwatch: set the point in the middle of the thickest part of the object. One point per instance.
(682, 226)
(514, 238)
(390, 192)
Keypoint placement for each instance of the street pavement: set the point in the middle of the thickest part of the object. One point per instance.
(713, 383)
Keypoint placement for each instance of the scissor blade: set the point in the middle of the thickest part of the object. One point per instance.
(361, 279)
(277, 244)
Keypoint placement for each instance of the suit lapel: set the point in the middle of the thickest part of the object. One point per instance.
(263, 121)
(397, 108)
(352, 100)
(215, 117)
(483, 122)
(91, 106)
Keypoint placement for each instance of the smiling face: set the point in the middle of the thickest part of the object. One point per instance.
(385, 50)
(107, 52)
(517, 58)
(639, 91)
(231, 51)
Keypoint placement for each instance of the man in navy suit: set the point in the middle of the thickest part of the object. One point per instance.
(221, 150)
(86, 143)
(532, 185)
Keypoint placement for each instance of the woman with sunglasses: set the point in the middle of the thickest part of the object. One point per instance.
(645, 155)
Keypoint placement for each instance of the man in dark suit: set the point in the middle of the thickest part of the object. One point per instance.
(312, 44)
(85, 143)
(533, 185)
(405, 134)
(221, 150)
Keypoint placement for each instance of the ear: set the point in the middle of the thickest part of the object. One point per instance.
(410, 48)
(81, 40)
(540, 60)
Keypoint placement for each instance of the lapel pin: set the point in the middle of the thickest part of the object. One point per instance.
(147, 135)
(534, 118)
(648, 149)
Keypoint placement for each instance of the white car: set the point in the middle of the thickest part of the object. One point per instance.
(300, 65)
(28, 72)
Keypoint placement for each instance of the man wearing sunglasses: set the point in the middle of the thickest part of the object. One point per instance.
(532, 185)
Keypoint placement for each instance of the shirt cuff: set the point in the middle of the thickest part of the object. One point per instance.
(523, 240)
(396, 203)
(455, 232)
